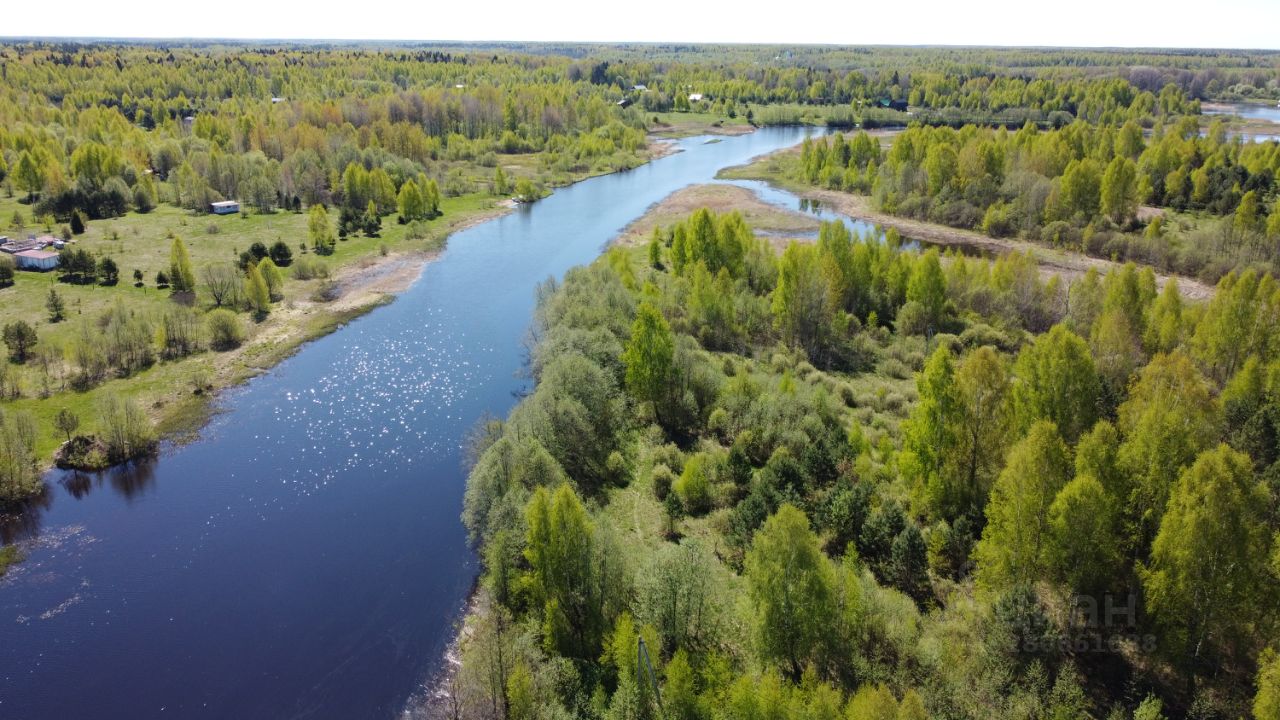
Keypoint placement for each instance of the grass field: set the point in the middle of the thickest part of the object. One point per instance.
(167, 389)
(176, 393)
(686, 124)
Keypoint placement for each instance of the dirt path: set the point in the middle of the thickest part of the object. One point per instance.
(1052, 261)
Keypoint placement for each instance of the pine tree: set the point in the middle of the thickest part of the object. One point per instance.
(54, 304)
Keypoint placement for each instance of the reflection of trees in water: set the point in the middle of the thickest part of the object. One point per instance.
(133, 478)
(77, 483)
(24, 521)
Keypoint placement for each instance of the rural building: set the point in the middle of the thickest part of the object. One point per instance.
(889, 104)
(32, 242)
(36, 259)
(640, 88)
(624, 102)
(695, 97)
(225, 207)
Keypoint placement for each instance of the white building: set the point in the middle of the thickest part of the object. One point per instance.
(225, 207)
(36, 259)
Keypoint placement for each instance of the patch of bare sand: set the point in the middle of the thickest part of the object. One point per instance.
(718, 198)
(661, 147)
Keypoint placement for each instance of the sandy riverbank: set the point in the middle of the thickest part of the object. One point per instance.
(762, 216)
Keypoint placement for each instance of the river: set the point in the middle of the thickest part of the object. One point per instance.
(1249, 111)
(304, 558)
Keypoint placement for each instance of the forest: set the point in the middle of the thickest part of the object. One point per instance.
(336, 157)
(860, 481)
(338, 154)
(850, 478)
(1194, 205)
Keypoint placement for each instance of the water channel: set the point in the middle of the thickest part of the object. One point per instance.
(304, 558)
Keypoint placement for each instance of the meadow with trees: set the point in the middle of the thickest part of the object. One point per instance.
(855, 480)
(340, 155)
(338, 159)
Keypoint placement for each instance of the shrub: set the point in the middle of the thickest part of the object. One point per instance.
(913, 319)
(280, 254)
(225, 329)
(309, 268)
(663, 479)
(693, 486)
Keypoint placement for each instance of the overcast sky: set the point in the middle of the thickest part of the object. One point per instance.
(1092, 23)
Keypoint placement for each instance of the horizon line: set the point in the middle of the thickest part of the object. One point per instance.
(268, 40)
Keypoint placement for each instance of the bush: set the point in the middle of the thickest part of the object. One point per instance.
(663, 479)
(980, 334)
(912, 319)
(693, 486)
(280, 254)
(1060, 233)
(309, 268)
(226, 332)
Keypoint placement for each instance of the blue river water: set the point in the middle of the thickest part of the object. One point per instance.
(1251, 111)
(304, 558)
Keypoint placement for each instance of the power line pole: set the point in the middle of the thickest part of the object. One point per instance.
(642, 658)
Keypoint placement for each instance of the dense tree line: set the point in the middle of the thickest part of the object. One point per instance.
(124, 128)
(1080, 186)
(102, 129)
(698, 470)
